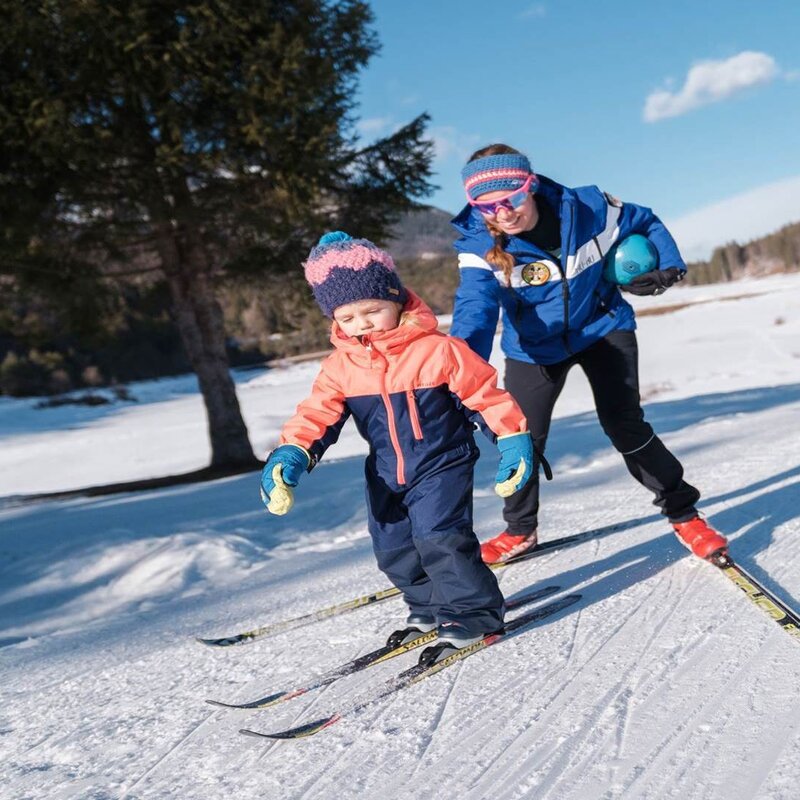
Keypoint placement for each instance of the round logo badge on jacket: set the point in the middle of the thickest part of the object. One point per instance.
(536, 274)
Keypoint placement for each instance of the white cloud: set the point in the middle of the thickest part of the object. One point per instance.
(373, 125)
(740, 218)
(536, 10)
(711, 81)
(448, 142)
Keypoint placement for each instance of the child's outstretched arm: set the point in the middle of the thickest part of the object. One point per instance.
(315, 426)
(474, 382)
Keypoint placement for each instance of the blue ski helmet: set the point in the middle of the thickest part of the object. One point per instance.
(628, 259)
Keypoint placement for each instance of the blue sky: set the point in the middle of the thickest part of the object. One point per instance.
(677, 105)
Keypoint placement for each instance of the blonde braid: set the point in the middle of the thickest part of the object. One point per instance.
(497, 255)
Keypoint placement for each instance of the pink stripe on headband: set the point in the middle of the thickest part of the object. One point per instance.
(496, 174)
(356, 258)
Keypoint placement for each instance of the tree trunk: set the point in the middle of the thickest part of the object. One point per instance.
(200, 322)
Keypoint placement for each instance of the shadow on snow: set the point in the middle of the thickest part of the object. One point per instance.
(35, 540)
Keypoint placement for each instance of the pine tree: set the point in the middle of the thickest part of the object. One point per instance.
(193, 140)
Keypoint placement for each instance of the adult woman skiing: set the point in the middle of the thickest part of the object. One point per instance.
(535, 250)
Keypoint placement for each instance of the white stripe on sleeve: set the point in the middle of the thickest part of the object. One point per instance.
(587, 254)
(471, 260)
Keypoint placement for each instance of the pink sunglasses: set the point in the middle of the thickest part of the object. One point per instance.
(510, 202)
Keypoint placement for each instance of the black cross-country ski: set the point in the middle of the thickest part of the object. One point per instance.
(396, 646)
(419, 671)
(788, 619)
(305, 619)
(376, 597)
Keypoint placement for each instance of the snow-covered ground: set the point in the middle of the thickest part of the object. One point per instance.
(663, 682)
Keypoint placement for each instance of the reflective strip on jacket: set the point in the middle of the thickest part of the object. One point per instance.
(414, 393)
(551, 311)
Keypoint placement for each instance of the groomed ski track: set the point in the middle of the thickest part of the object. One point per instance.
(663, 682)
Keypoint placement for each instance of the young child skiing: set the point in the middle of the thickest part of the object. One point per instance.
(415, 395)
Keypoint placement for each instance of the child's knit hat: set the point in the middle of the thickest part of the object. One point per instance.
(507, 171)
(342, 270)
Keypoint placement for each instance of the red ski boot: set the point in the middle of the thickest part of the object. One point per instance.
(702, 540)
(506, 546)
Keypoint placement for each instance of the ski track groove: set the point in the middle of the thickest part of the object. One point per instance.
(126, 792)
(431, 739)
(153, 771)
(622, 728)
(521, 741)
(327, 780)
(652, 686)
(617, 700)
(314, 699)
(676, 740)
(155, 768)
(106, 670)
(473, 741)
(766, 768)
(150, 776)
(437, 717)
(551, 711)
(573, 751)
(689, 653)
(622, 696)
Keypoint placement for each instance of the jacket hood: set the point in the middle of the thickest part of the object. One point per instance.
(419, 321)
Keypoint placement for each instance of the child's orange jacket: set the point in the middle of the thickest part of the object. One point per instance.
(414, 393)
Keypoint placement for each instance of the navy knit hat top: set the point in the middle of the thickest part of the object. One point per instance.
(506, 171)
(342, 270)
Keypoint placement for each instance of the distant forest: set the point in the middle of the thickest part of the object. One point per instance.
(110, 337)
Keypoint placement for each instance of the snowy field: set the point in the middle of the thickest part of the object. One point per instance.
(663, 682)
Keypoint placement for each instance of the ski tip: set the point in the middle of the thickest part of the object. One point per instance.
(301, 731)
(225, 641)
(221, 704)
(262, 702)
(218, 704)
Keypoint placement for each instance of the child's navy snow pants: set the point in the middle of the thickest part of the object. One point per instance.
(424, 543)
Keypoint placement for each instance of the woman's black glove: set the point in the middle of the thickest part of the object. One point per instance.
(656, 281)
